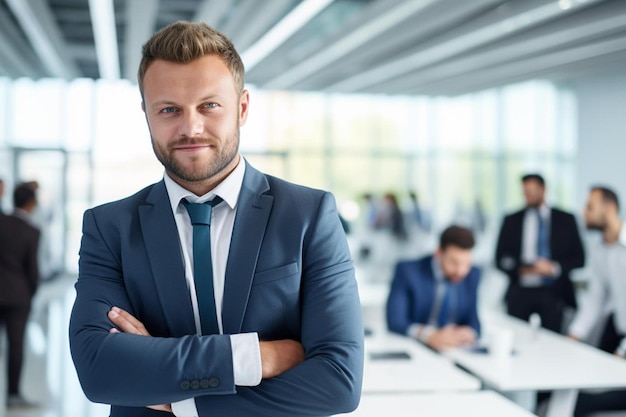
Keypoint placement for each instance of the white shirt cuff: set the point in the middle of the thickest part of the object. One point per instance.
(420, 332)
(185, 408)
(246, 359)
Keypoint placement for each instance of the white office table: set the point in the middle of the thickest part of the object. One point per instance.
(444, 404)
(425, 371)
(543, 361)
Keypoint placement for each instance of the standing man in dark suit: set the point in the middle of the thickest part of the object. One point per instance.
(19, 276)
(537, 248)
(264, 322)
(434, 299)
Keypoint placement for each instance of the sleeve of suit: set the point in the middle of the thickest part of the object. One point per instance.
(399, 303)
(32, 263)
(575, 257)
(474, 321)
(506, 258)
(133, 370)
(329, 380)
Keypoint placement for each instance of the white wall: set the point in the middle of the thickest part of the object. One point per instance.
(602, 134)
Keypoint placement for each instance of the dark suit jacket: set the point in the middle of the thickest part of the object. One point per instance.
(412, 296)
(566, 248)
(19, 273)
(289, 274)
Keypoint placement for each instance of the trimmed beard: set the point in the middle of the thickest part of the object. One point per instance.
(222, 159)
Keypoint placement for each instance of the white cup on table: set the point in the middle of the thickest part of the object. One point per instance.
(501, 343)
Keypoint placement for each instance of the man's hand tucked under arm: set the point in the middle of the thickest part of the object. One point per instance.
(278, 356)
(127, 323)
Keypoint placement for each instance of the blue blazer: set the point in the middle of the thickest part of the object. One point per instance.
(412, 296)
(289, 274)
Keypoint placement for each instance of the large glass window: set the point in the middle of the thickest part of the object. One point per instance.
(455, 153)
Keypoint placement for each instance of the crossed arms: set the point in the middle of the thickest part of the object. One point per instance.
(136, 370)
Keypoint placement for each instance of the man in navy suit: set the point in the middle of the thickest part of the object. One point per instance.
(290, 336)
(537, 249)
(433, 299)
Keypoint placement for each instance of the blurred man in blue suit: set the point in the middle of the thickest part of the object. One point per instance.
(434, 299)
(272, 325)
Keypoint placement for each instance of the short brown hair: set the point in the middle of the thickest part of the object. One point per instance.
(608, 195)
(184, 42)
(456, 236)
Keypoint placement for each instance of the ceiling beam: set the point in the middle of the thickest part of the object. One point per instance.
(256, 24)
(141, 17)
(502, 22)
(105, 37)
(559, 36)
(16, 57)
(369, 30)
(37, 22)
(290, 24)
(212, 12)
(419, 28)
(522, 69)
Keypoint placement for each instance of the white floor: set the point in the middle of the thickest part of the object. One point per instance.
(48, 377)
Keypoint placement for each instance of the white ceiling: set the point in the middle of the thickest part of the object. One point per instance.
(359, 46)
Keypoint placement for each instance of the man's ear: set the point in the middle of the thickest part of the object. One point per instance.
(244, 102)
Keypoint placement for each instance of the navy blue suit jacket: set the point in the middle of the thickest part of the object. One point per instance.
(412, 296)
(289, 274)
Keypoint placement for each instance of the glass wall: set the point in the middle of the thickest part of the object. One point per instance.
(460, 155)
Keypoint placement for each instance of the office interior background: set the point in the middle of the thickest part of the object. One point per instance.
(453, 100)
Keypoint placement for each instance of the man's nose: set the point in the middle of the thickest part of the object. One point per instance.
(192, 124)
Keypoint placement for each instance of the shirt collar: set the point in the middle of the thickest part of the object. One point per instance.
(543, 210)
(228, 189)
(437, 271)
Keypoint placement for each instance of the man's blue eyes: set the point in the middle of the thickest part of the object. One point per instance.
(174, 109)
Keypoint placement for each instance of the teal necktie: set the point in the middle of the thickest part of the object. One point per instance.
(200, 215)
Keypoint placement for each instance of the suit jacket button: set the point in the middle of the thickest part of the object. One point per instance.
(195, 384)
(204, 383)
(214, 382)
(185, 385)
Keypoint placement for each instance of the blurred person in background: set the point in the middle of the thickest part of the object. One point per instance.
(391, 218)
(606, 293)
(434, 299)
(19, 276)
(537, 249)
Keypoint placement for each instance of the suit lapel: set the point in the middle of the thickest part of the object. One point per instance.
(253, 209)
(163, 247)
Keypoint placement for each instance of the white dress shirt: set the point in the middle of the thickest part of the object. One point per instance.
(606, 292)
(423, 331)
(245, 347)
(530, 239)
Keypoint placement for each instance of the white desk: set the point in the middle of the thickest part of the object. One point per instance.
(544, 361)
(445, 404)
(425, 371)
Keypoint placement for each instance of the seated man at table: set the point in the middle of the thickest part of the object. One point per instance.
(433, 299)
